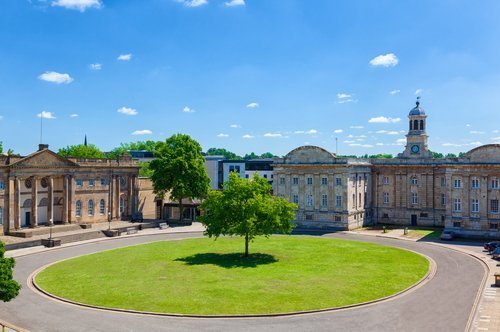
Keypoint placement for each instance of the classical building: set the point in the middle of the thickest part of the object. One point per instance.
(461, 194)
(44, 188)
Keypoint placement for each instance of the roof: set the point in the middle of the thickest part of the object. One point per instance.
(417, 110)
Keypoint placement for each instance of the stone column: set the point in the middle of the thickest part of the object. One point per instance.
(130, 195)
(34, 202)
(117, 197)
(17, 204)
(110, 198)
(50, 203)
(71, 198)
(7, 205)
(65, 200)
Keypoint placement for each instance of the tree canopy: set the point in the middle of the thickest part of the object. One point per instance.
(246, 207)
(81, 151)
(9, 288)
(179, 168)
(222, 152)
(138, 146)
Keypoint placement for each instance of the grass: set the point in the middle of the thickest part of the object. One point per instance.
(425, 233)
(203, 276)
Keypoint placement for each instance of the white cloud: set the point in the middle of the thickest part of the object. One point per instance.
(360, 139)
(388, 132)
(142, 132)
(253, 105)
(401, 141)
(496, 138)
(127, 111)
(476, 132)
(74, 115)
(222, 135)
(233, 3)
(186, 109)
(338, 131)
(307, 132)
(462, 145)
(418, 92)
(361, 145)
(467, 125)
(477, 143)
(395, 92)
(95, 66)
(1, 117)
(55, 77)
(495, 131)
(80, 5)
(124, 57)
(343, 95)
(235, 126)
(46, 115)
(247, 136)
(385, 60)
(379, 144)
(383, 119)
(343, 98)
(356, 127)
(349, 141)
(193, 3)
(273, 135)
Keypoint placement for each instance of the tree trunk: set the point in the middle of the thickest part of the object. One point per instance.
(181, 211)
(246, 245)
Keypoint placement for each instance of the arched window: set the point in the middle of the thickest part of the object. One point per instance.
(91, 208)
(78, 210)
(102, 207)
(27, 203)
(415, 124)
(421, 124)
(43, 202)
(414, 181)
(411, 123)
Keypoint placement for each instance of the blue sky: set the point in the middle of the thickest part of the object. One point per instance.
(249, 75)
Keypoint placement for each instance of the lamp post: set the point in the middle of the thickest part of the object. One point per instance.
(50, 229)
(109, 220)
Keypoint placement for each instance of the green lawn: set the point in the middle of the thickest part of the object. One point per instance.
(425, 233)
(203, 276)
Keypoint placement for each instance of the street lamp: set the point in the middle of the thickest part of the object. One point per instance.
(109, 220)
(50, 229)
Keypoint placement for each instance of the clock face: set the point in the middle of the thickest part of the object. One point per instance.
(415, 149)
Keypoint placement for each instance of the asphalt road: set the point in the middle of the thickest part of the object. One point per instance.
(442, 304)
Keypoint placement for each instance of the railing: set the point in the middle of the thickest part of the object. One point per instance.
(7, 327)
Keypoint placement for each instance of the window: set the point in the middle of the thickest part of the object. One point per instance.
(28, 183)
(91, 182)
(79, 183)
(1, 215)
(247, 176)
(338, 181)
(104, 182)
(91, 208)
(359, 199)
(494, 226)
(385, 180)
(309, 180)
(443, 199)
(474, 183)
(443, 181)
(309, 201)
(338, 201)
(353, 200)
(414, 198)
(457, 205)
(265, 176)
(324, 181)
(295, 181)
(457, 183)
(324, 200)
(282, 180)
(296, 198)
(475, 206)
(457, 224)
(122, 205)
(338, 218)
(386, 198)
(494, 184)
(1, 185)
(494, 206)
(102, 207)
(414, 181)
(123, 181)
(78, 209)
(234, 168)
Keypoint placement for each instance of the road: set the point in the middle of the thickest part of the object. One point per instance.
(442, 304)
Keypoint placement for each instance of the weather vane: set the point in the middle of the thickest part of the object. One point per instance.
(418, 100)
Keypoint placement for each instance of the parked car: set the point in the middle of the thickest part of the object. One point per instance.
(490, 246)
(447, 235)
(496, 253)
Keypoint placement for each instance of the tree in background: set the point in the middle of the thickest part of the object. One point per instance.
(145, 169)
(81, 151)
(179, 168)
(136, 146)
(9, 288)
(222, 152)
(246, 207)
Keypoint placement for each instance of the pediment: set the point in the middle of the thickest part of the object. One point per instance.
(43, 159)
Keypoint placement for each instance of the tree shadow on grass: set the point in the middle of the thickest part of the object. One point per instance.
(229, 261)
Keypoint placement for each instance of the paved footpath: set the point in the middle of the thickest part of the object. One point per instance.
(487, 315)
(444, 303)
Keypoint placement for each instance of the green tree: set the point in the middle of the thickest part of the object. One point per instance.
(1, 147)
(222, 152)
(382, 156)
(436, 155)
(9, 288)
(267, 155)
(179, 168)
(81, 151)
(139, 146)
(145, 169)
(246, 208)
(252, 155)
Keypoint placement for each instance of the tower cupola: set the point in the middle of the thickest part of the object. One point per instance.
(416, 139)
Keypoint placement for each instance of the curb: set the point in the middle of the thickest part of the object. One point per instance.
(426, 278)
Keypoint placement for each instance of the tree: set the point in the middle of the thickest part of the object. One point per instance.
(179, 168)
(145, 169)
(246, 207)
(139, 146)
(81, 151)
(222, 152)
(9, 288)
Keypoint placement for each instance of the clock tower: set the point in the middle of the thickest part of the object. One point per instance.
(416, 139)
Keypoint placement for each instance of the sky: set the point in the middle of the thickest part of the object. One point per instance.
(249, 75)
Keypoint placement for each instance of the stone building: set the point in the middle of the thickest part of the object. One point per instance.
(44, 188)
(461, 194)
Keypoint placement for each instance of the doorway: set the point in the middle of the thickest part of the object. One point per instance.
(27, 219)
(414, 220)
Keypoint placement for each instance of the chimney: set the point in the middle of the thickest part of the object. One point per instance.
(43, 147)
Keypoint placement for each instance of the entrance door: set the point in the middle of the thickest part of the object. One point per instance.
(414, 220)
(27, 220)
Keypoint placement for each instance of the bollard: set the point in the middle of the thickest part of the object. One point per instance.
(406, 231)
(383, 229)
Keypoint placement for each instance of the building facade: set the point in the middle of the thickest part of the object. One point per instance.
(460, 194)
(44, 188)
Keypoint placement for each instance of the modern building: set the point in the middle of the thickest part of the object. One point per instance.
(460, 194)
(44, 188)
